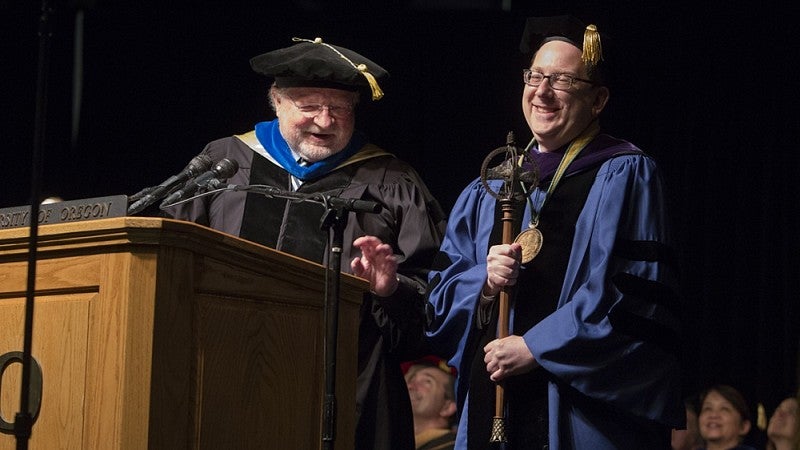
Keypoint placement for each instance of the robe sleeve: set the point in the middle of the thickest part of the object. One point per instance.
(412, 221)
(460, 272)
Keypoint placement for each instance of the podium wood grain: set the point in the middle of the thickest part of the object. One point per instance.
(161, 334)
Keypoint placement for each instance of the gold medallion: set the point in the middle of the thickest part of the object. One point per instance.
(531, 241)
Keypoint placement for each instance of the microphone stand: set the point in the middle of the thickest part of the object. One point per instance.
(23, 421)
(335, 221)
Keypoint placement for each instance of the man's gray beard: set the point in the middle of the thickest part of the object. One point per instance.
(315, 154)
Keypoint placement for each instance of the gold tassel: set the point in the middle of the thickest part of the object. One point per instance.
(377, 93)
(761, 421)
(592, 48)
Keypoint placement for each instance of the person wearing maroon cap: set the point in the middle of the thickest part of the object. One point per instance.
(430, 384)
(313, 148)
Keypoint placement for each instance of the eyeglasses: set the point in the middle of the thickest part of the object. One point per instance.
(314, 109)
(558, 81)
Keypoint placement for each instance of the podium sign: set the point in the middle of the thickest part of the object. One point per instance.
(67, 211)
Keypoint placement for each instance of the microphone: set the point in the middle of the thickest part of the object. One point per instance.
(198, 164)
(223, 169)
(216, 183)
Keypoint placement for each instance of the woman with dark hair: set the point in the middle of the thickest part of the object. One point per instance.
(724, 418)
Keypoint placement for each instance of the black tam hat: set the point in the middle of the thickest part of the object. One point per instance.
(318, 64)
(540, 30)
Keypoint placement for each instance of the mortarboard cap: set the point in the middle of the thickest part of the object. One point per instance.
(318, 64)
(430, 361)
(539, 30)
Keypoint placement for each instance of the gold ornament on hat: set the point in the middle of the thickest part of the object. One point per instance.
(592, 47)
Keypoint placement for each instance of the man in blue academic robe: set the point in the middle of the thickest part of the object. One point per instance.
(590, 360)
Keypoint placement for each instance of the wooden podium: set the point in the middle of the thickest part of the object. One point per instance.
(160, 334)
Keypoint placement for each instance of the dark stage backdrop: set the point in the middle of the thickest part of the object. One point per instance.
(709, 92)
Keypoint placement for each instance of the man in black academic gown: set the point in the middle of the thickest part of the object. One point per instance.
(312, 148)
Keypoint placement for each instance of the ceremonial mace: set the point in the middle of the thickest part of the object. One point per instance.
(517, 182)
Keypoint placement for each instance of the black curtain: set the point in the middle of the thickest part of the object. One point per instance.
(708, 91)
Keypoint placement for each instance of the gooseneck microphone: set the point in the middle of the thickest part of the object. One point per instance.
(148, 196)
(221, 170)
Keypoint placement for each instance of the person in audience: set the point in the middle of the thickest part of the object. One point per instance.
(724, 418)
(783, 430)
(430, 386)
